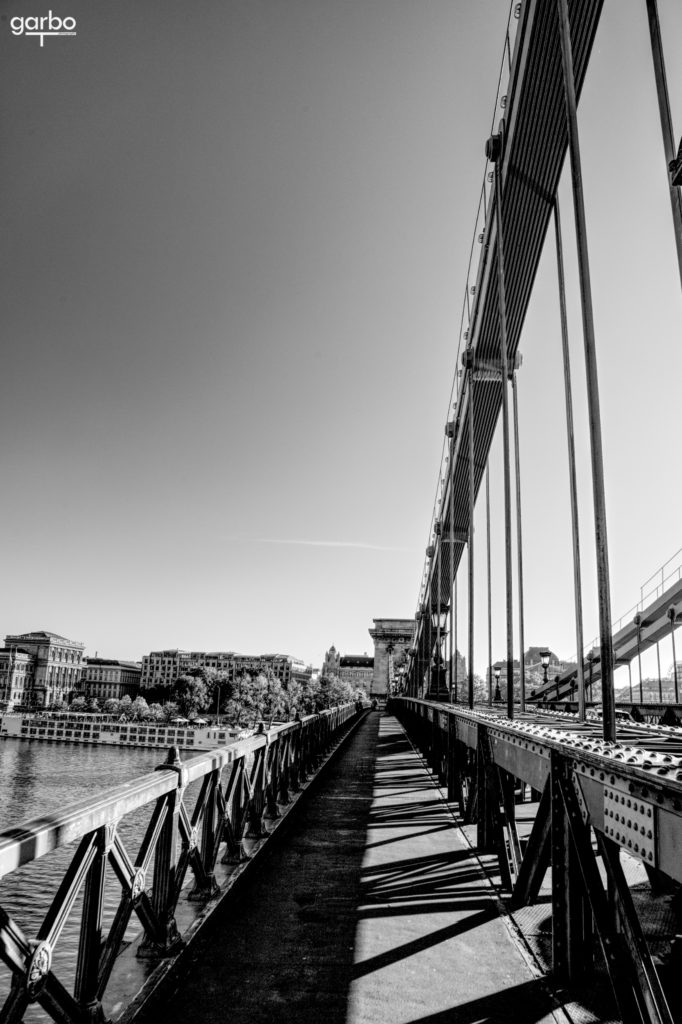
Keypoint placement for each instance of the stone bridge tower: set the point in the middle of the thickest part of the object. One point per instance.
(392, 640)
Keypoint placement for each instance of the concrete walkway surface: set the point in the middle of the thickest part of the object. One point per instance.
(371, 910)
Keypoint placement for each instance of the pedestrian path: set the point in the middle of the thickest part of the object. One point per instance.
(371, 910)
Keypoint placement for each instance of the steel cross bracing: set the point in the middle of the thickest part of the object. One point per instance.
(144, 869)
(594, 801)
(534, 152)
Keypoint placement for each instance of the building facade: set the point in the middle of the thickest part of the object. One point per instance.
(50, 674)
(162, 668)
(16, 677)
(358, 670)
(106, 678)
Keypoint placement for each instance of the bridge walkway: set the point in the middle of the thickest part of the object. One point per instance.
(374, 909)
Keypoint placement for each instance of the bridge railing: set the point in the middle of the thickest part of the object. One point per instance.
(239, 787)
(595, 801)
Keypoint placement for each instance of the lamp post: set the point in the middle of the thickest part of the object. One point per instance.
(672, 614)
(497, 670)
(544, 658)
(438, 689)
(590, 656)
(638, 625)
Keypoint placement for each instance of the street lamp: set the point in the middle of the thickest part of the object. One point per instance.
(672, 615)
(439, 616)
(544, 658)
(217, 704)
(497, 670)
(590, 661)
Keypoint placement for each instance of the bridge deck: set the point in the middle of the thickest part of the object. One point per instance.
(373, 909)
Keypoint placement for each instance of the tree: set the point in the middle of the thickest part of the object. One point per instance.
(93, 706)
(310, 697)
(139, 708)
(78, 704)
(292, 699)
(334, 691)
(170, 711)
(154, 713)
(191, 694)
(111, 706)
(125, 707)
(239, 704)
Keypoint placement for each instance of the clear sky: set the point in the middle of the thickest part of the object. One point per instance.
(233, 246)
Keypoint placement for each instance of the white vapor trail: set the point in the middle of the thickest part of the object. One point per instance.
(331, 544)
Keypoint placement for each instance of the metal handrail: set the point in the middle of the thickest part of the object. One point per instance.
(183, 833)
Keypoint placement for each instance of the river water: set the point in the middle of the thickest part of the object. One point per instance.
(40, 779)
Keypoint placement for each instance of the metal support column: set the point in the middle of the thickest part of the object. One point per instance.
(601, 545)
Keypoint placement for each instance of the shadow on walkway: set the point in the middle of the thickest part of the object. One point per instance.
(369, 912)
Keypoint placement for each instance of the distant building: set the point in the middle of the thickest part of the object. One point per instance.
(40, 668)
(357, 669)
(106, 678)
(331, 666)
(282, 666)
(16, 677)
(162, 668)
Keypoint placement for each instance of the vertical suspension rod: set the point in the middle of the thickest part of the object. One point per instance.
(575, 528)
(439, 555)
(519, 547)
(666, 119)
(471, 539)
(490, 602)
(494, 152)
(453, 598)
(596, 449)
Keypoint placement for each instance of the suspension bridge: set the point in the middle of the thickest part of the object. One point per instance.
(512, 860)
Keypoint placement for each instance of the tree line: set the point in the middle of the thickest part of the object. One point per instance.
(242, 702)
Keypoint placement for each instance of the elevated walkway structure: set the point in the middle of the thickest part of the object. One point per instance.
(644, 630)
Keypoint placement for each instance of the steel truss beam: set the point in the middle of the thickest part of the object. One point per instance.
(619, 797)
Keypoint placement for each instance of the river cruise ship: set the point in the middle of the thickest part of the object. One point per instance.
(85, 728)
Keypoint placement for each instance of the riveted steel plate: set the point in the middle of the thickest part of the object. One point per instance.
(631, 821)
(584, 812)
